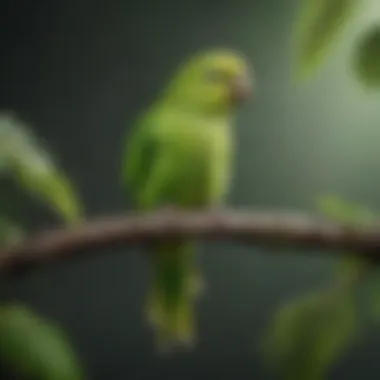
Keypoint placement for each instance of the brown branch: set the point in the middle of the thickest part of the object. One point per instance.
(276, 228)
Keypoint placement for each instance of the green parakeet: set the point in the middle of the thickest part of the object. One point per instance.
(180, 156)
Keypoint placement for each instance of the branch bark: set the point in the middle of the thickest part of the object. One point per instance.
(280, 229)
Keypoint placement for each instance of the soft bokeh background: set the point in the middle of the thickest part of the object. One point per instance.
(79, 71)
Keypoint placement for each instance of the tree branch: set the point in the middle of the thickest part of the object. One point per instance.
(269, 228)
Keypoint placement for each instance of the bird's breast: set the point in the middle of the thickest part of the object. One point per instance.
(203, 166)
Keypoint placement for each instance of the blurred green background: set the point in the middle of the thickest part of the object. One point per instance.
(80, 71)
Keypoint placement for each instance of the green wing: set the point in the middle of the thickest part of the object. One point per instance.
(146, 163)
(139, 156)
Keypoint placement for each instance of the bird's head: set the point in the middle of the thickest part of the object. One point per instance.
(212, 82)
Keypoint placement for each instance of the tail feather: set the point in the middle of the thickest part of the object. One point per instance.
(171, 301)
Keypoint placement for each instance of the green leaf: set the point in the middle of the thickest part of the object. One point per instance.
(33, 167)
(312, 331)
(318, 26)
(352, 214)
(367, 59)
(340, 210)
(35, 348)
(349, 214)
(309, 334)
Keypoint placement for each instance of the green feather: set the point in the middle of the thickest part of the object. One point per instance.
(179, 155)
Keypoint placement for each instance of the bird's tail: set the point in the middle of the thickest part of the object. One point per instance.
(171, 300)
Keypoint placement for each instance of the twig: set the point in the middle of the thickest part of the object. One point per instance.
(268, 228)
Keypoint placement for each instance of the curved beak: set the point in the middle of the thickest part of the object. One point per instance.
(241, 89)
